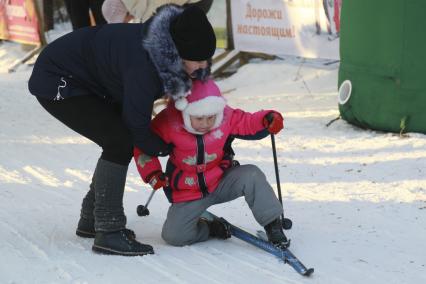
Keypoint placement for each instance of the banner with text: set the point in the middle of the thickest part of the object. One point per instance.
(19, 21)
(307, 28)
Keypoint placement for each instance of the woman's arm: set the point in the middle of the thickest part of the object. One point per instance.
(148, 166)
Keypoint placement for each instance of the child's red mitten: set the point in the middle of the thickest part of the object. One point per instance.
(158, 180)
(274, 122)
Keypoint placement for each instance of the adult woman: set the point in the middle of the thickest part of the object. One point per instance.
(102, 82)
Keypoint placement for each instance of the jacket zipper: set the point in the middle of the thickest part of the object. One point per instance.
(201, 161)
(176, 180)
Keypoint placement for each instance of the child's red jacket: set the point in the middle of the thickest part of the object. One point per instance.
(196, 164)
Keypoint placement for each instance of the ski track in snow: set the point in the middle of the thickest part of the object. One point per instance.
(44, 176)
(250, 260)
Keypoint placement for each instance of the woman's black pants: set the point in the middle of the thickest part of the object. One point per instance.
(98, 120)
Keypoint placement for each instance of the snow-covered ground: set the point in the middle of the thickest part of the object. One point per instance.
(357, 198)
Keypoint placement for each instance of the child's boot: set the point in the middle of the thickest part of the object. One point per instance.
(275, 233)
(218, 228)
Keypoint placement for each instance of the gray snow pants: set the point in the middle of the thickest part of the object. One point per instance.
(182, 226)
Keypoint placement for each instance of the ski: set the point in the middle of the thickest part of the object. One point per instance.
(282, 253)
(261, 235)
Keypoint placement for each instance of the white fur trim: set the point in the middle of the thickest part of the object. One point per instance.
(181, 104)
(207, 106)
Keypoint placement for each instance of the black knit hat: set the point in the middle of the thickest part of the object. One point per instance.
(193, 35)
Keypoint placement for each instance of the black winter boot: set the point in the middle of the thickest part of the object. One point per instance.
(86, 229)
(109, 181)
(111, 235)
(119, 243)
(86, 224)
(275, 233)
(218, 228)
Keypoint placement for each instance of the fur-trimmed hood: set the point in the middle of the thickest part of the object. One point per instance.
(159, 44)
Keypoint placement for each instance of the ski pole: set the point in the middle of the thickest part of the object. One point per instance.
(142, 210)
(285, 221)
(277, 175)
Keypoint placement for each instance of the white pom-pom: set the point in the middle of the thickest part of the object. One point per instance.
(181, 104)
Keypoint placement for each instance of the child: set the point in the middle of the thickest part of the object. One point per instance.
(198, 173)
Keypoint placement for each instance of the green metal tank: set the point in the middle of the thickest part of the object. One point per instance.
(383, 61)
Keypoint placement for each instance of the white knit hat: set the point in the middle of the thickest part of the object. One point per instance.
(114, 11)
